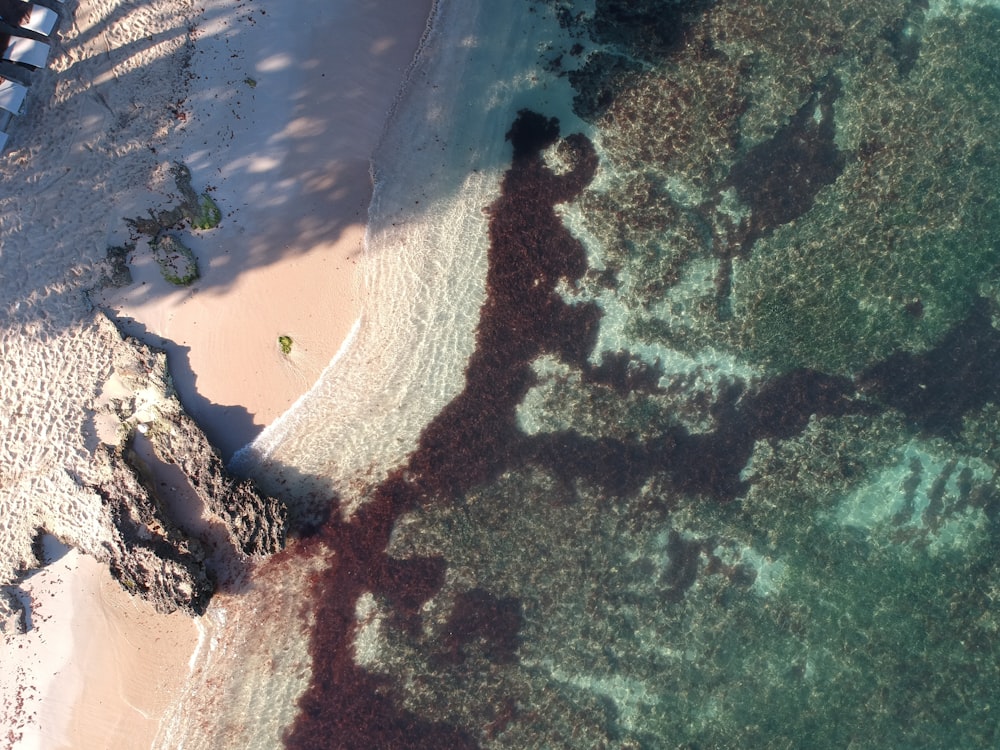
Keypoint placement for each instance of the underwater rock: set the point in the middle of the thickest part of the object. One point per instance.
(648, 29)
(780, 178)
(937, 388)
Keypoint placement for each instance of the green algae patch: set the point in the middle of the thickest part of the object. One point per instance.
(176, 261)
(285, 344)
(209, 215)
(199, 210)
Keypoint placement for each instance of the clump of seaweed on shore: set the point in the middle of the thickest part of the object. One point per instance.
(178, 264)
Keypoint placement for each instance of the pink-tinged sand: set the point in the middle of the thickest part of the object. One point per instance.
(286, 104)
(97, 669)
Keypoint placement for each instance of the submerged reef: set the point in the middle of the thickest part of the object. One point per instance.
(724, 469)
(843, 208)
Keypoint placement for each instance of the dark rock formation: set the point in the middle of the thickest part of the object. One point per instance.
(255, 521)
(148, 554)
(148, 540)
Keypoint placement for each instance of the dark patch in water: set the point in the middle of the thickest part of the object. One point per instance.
(408, 583)
(475, 435)
(780, 178)
(938, 387)
(707, 464)
(346, 706)
(492, 623)
(684, 556)
(904, 38)
(915, 309)
(648, 28)
(645, 31)
(782, 407)
(475, 438)
(625, 373)
(598, 82)
(468, 443)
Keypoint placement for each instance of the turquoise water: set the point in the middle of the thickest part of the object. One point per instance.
(699, 447)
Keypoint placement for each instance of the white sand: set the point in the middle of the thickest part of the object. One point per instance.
(98, 668)
(286, 109)
(277, 111)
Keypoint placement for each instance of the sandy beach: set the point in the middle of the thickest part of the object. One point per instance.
(276, 109)
(286, 105)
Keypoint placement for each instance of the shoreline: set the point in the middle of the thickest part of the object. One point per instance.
(289, 123)
(287, 159)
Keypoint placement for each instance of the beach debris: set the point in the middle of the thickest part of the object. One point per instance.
(200, 210)
(176, 261)
(120, 274)
(285, 344)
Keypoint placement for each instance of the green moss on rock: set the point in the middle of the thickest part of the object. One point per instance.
(176, 261)
(208, 215)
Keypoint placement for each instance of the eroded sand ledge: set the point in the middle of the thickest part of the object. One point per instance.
(235, 93)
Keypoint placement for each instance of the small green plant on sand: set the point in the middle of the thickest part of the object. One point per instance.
(285, 344)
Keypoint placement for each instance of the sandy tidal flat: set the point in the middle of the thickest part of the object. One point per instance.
(286, 106)
(98, 667)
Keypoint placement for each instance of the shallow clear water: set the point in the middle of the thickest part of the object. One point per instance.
(689, 439)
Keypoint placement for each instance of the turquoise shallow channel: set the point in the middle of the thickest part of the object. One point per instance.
(722, 471)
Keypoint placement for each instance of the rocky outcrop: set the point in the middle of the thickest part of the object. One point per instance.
(155, 502)
(168, 493)
(148, 554)
(255, 521)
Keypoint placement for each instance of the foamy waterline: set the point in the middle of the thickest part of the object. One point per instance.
(244, 459)
(390, 376)
(438, 165)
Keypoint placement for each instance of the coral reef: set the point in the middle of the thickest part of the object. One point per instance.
(896, 223)
(770, 516)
